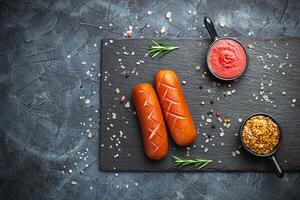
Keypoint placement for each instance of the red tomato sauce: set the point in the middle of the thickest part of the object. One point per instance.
(227, 59)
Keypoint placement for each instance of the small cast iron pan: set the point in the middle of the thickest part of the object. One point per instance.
(215, 38)
(271, 155)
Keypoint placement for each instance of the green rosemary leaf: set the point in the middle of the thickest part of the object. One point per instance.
(198, 162)
(156, 48)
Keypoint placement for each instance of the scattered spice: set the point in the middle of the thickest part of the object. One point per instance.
(168, 15)
(122, 99)
(87, 101)
(163, 29)
(250, 46)
(74, 183)
(127, 104)
(197, 67)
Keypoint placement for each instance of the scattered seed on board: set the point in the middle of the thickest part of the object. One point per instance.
(127, 104)
(163, 29)
(168, 15)
(250, 46)
(208, 120)
(197, 67)
(222, 22)
(74, 183)
(183, 82)
(87, 101)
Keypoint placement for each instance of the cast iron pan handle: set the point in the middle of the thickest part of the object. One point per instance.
(278, 169)
(211, 28)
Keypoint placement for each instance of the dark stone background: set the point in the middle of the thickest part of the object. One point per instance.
(42, 114)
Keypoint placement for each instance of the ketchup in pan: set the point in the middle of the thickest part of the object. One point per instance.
(226, 57)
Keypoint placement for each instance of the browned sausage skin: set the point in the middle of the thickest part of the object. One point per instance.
(151, 121)
(175, 108)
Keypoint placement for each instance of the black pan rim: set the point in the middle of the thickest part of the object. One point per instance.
(209, 67)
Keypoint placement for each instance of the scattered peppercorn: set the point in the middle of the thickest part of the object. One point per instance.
(127, 75)
(211, 102)
(122, 99)
(200, 87)
(213, 126)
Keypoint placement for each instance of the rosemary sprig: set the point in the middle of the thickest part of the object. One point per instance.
(198, 162)
(156, 48)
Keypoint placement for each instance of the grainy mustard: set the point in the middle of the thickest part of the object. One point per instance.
(261, 134)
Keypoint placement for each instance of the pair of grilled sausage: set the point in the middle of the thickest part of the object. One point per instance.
(176, 114)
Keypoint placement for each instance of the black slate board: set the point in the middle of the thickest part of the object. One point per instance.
(239, 105)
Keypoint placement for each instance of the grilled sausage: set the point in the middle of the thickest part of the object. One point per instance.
(175, 108)
(151, 120)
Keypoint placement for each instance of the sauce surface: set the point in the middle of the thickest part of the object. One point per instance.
(227, 59)
(261, 134)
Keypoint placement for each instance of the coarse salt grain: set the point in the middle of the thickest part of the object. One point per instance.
(74, 183)
(168, 15)
(222, 22)
(87, 101)
(163, 29)
(127, 104)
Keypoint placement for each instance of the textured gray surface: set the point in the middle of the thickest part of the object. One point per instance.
(240, 104)
(42, 115)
